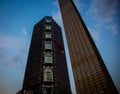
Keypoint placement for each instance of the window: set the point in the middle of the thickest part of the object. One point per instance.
(48, 57)
(48, 74)
(48, 45)
(48, 20)
(48, 27)
(28, 92)
(44, 91)
(48, 91)
(48, 35)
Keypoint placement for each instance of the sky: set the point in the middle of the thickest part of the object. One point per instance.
(18, 17)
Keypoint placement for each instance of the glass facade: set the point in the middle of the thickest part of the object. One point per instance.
(90, 73)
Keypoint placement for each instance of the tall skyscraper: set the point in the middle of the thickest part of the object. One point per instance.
(90, 73)
(46, 69)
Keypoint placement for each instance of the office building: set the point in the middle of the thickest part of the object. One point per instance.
(46, 69)
(89, 70)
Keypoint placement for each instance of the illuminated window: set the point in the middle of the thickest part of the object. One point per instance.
(48, 45)
(48, 74)
(44, 91)
(48, 35)
(48, 91)
(48, 27)
(48, 57)
(48, 20)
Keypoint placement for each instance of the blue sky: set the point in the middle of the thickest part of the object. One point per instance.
(17, 18)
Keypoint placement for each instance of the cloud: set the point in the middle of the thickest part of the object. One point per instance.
(113, 28)
(13, 54)
(105, 9)
(95, 35)
(78, 4)
(16, 60)
(4, 58)
(56, 13)
(8, 42)
(24, 32)
(104, 12)
(57, 17)
(13, 50)
(55, 3)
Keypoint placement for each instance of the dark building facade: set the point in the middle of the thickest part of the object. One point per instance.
(46, 69)
(89, 70)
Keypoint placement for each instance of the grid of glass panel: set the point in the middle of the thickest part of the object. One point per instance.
(90, 74)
